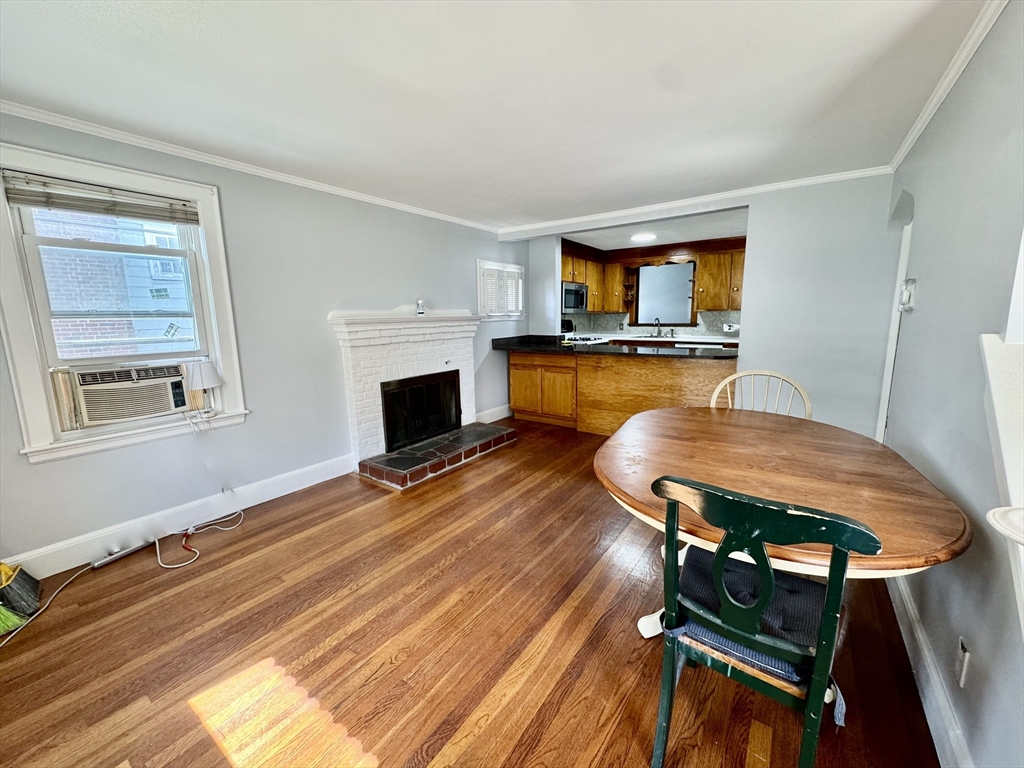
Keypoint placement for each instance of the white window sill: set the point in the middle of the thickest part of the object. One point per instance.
(80, 446)
(502, 318)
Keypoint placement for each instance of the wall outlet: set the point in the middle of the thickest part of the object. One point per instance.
(963, 657)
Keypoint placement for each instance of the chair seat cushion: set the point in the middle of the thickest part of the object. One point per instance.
(793, 614)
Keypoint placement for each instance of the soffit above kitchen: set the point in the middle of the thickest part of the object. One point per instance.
(682, 229)
(502, 114)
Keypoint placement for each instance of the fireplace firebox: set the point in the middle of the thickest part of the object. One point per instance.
(420, 407)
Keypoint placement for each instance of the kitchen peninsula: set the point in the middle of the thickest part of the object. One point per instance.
(595, 387)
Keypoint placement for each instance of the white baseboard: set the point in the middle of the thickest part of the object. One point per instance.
(938, 709)
(494, 414)
(70, 553)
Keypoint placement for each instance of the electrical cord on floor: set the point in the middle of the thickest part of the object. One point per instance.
(213, 524)
(35, 615)
(240, 514)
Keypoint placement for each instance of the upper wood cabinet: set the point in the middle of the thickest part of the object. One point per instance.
(716, 277)
(614, 288)
(595, 287)
(574, 269)
(736, 291)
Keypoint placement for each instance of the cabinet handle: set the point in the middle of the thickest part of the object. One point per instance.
(735, 289)
(701, 290)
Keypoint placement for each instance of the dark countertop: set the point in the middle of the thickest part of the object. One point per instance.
(553, 344)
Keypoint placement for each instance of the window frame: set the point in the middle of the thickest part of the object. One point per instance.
(25, 343)
(510, 268)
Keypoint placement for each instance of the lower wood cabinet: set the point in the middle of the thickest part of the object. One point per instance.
(611, 388)
(597, 393)
(543, 387)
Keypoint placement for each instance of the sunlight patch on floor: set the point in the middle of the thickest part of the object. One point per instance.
(261, 719)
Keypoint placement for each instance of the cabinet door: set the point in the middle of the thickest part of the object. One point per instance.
(736, 291)
(524, 388)
(714, 273)
(614, 279)
(558, 389)
(595, 287)
(579, 270)
(567, 269)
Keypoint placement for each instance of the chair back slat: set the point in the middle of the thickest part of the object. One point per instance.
(735, 384)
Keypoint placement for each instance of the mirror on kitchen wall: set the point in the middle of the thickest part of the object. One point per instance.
(665, 294)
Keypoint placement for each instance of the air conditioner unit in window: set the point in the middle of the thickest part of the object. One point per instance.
(118, 394)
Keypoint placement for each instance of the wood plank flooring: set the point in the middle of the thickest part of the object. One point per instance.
(486, 618)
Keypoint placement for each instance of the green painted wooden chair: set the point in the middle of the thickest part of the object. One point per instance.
(773, 631)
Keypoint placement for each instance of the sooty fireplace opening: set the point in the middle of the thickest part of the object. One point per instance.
(420, 407)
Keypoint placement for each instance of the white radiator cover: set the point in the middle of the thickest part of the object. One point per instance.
(381, 346)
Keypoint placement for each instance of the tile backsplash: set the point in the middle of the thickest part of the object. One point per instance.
(708, 324)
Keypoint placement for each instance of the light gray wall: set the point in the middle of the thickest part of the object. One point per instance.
(294, 254)
(817, 292)
(818, 283)
(545, 299)
(966, 174)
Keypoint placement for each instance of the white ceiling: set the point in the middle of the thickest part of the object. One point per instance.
(502, 113)
(685, 229)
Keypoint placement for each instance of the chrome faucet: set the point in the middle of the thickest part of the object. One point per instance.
(657, 326)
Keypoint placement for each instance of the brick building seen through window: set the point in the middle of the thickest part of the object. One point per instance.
(104, 303)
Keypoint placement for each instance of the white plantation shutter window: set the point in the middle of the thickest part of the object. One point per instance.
(493, 299)
(500, 289)
(513, 293)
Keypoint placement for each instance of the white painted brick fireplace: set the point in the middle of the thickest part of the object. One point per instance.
(381, 346)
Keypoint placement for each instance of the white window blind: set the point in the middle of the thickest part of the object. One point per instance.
(36, 191)
(500, 289)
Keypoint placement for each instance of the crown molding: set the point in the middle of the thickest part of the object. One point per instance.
(986, 18)
(713, 202)
(520, 232)
(103, 132)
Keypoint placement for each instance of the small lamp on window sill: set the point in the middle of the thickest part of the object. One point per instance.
(199, 379)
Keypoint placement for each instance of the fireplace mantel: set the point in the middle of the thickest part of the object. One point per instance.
(399, 315)
(382, 345)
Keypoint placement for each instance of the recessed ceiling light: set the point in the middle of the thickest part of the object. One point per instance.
(644, 237)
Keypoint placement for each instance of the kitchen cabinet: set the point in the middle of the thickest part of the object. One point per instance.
(574, 269)
(736, 291)
(718, 274)
(542, 387)
(595, 287)
(614, 288)
(597, 393)
(524, 388)
(611, 388)
(558, 392)
(712, 281)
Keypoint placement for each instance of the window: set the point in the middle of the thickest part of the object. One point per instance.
(103, 267)
(499, 289)
(101, 288)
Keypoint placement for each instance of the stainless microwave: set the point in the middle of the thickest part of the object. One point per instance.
(574, 298)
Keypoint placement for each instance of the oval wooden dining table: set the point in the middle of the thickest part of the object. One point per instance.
(794, 461)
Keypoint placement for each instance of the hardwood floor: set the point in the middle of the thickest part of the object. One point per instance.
(486, 618)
